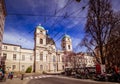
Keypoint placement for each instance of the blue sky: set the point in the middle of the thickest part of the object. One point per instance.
(54, 15)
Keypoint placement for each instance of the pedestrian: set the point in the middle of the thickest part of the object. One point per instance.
(10, 75)
(86, 72)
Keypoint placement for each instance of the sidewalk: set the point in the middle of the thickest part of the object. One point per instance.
(15, 81)
(25, 74)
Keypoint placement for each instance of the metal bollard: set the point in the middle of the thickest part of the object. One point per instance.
(22, 76)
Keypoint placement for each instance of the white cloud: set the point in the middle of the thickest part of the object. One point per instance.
(60, 3)
(75, 44)
(13, 37)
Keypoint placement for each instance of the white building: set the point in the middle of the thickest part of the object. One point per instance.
(16, 58)
(85, 60)
(89, 60)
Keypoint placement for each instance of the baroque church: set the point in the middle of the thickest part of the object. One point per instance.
(43, 58)
(47, 57)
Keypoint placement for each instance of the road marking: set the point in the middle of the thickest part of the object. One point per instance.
(43, 76)
(40, 77)
(27, 78)
(31, 77)
(36, 77)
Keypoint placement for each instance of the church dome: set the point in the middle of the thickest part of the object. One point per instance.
(40, 27)
(66, 36)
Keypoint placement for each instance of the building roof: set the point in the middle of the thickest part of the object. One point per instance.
(66, 36)
(16, 45)
(40, 27)
(11, 44)
(50, 41)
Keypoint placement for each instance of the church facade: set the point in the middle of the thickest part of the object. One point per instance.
(43, 58)
(47, 58)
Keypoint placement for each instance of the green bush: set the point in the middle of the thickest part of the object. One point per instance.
(29, 69)
(43, 72)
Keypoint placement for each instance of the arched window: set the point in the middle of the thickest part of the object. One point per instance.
(54, 59)
(41, 41)
(68, 46)
(41, 56)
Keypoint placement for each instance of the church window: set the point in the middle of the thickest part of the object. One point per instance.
(41, 57)
(63, 47)
(54, 59)
(41, 41)
(68, 46)
(41, 32)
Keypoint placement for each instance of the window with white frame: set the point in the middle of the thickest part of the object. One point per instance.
(41, 67)
(30, 58)
(14, 56)
(23, 67)
(13, 67)
(4, 56)
(23, 57)
(15, 48)
(5, 47)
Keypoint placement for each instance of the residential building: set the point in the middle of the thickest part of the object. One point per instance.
(16, 58)
(79, 60)
(89, 60)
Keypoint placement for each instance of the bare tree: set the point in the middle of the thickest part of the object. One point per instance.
(98, 26)
(114, 42)
(73, 60)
